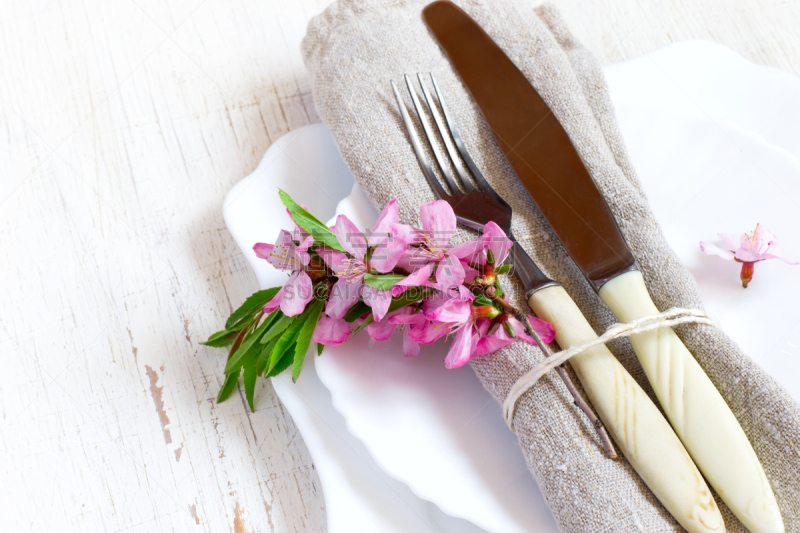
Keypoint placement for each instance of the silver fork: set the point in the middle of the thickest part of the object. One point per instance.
(474, 206)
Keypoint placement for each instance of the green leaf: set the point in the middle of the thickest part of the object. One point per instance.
(481, 299)
(509, 329)
(498, 289)
(271, 318)
(303, 340)
(249, 379)
(246, 351)
(357, 311)
(277, 327)
(253, 303)
(407, 298)
(322, 234)
(286, 340)
(320, 347)
(367, 321)
(503, 269)
(382, 282)
(221, 339)
(263, 357)
(283, 364)
(228, 386)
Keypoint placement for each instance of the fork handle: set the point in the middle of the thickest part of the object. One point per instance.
(638, 428)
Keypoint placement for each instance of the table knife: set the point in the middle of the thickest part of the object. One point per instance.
(542, 155)
(632, 419)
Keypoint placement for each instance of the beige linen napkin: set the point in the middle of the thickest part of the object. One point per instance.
(353, 49)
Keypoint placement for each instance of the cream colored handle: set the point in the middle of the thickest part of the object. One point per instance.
(633, 420)
(697, 411)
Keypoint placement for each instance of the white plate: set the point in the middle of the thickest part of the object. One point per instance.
(715, 142)
(359, 495)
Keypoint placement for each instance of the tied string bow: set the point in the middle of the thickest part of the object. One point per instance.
(671, 317)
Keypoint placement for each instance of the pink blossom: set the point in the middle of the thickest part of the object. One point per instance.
(491, 342)
(387, 242)
(494, 240)
(473, 325)
(449, 314)
(438, 223)
(398, 320)
(475, 252)
(389, 239)
(747, 249)
(292, 297)
(383, 330)
(286, 255)
(432, 245)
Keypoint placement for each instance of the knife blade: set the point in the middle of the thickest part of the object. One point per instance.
(523, 125)
(544, 158)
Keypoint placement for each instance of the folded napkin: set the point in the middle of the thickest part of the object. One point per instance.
(353, 50)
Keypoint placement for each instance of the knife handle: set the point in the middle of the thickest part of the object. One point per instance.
(638, 428)
(698, 412)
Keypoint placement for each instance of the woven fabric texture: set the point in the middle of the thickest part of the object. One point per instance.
(353, 50)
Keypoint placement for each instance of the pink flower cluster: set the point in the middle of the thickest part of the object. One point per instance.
(460, 297)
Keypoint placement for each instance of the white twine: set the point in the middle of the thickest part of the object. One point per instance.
(669, 318)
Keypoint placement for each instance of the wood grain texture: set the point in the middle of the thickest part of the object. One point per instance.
(124, 123)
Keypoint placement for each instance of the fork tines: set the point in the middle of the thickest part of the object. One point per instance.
(448, 137)
(474, 201)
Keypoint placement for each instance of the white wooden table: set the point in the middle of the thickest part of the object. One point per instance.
(122, 125)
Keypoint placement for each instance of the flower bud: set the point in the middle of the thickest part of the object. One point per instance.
(485, 311)
(747, 272)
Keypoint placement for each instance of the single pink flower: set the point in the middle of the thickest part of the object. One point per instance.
(453, 310)
(447, 314)
(463, 345)
(389, 239)
(476, 253)
(398, 320)
(292, 297)
(432, 245)
(286, 255)
(491, 342)
(747, 249)
(493, 238)
(438, 223)
(387, 242)
(451, 315)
